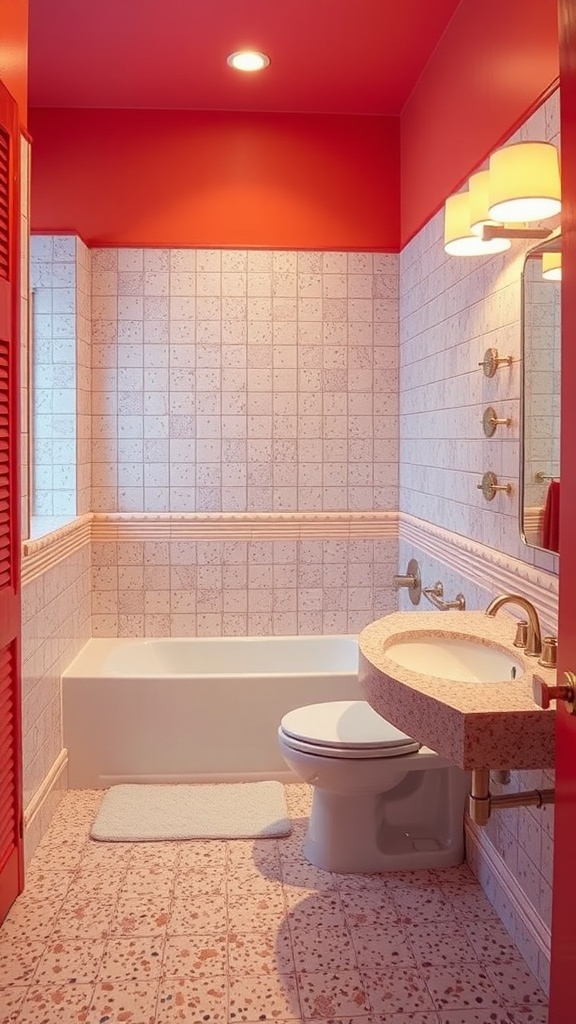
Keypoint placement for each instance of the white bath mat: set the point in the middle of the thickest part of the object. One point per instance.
(243, 810)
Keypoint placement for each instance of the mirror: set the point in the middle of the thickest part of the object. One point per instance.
(540, 433)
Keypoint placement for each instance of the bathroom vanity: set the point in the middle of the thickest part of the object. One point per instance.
(485, 719)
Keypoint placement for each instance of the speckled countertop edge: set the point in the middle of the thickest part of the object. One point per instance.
(474, 725)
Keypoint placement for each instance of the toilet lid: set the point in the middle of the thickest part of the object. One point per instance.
(345, 725)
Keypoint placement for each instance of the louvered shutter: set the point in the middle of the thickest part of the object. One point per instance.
(10, 715)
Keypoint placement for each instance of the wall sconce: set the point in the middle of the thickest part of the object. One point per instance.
(521, 185)
(459, 239)
(552, 266)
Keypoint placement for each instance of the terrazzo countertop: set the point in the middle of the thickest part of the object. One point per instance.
(474, 725)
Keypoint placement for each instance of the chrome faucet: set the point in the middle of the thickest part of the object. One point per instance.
(534, 638)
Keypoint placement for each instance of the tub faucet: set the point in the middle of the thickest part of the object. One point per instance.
(534, 639)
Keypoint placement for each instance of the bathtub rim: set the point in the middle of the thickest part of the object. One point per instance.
(103, 645)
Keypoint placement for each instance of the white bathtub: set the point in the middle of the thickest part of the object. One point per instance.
(194, 710)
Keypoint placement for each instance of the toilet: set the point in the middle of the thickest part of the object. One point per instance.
(381, 801)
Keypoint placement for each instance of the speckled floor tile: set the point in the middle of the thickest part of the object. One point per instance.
(127, 1002)
(491, 942)
(11, 999)
(526, 1015)
(196, 915)
(189, 883)
(30, 919)
(84, 919)
(154, 855)
(53, 1004)
(430, 1017)
(418, 905)
(253, 887)
(141, 915)
(201, 1001)
(48, 885)
(194, 956)
(258, 912)
(137, 958)
(100, 856)
(332, 994)
(474, 1017)
(307, 877)
(436, 943)
(95, 883)
(328, 950)
(463, 988)
(366, 908)
(202, 856)
(396, 990)
(151, 881)
(19, 960)
(70, 961)
(516, 985)
(470, 902)
(377, 948)
(158, 933)
(263, 998)
(268, 952)
(313, 912)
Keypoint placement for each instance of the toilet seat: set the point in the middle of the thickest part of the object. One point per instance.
(345, 728)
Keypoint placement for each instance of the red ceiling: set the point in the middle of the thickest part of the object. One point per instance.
(332, 56)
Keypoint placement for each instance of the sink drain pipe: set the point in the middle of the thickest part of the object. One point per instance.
(481, 803)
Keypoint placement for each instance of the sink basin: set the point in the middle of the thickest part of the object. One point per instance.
(454, 658)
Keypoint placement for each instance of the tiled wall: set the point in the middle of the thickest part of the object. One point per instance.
(240, 381)
(234, 380)
(55, 624)
(451, 310)
(235, 588)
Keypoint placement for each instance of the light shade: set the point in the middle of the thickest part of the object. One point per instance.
(248, 60)
(458, 238)
(552, 266)
(479, 202)
(524, 182)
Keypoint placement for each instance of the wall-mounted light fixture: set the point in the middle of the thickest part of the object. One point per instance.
(521, 185)
(459, 239)
(552, 266)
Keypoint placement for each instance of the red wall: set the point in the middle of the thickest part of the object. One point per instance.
(14, 52)
(166, 178)
(494, 63)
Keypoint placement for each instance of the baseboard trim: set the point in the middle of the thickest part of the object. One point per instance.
(519, 902)
(47, 785)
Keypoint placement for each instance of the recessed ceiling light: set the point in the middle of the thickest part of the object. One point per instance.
(248, 60)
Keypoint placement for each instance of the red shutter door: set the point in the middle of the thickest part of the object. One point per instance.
(11, 867)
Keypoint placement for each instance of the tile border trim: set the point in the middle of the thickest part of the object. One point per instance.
(38, 556)
(483, 565)
(244, 526)
(42, 554)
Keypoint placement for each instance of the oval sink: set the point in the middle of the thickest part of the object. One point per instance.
(455, 659)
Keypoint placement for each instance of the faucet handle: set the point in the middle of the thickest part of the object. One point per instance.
(521, 638)
(549, 656)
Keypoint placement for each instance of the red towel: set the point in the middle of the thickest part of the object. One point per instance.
(551, 524)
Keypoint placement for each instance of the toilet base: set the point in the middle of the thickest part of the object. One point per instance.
(418, 825)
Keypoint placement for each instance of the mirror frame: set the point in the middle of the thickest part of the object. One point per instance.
(551, 244)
